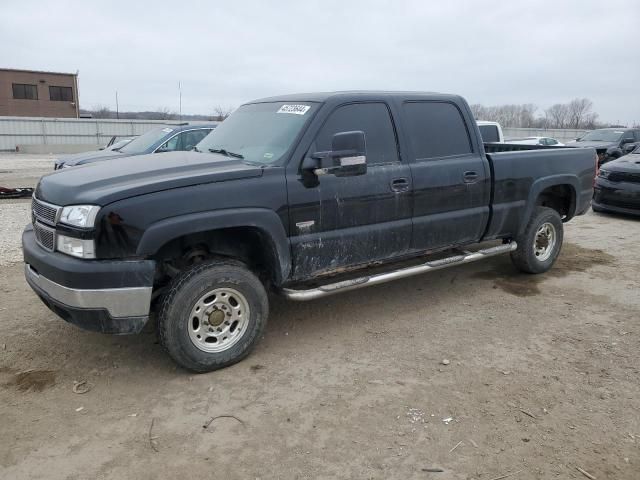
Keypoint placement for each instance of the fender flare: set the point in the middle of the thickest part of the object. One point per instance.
(163, 231)
(542, 184)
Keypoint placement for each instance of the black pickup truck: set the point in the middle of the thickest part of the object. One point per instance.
(302, 195)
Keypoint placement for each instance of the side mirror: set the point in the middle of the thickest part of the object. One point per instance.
(346, 158)
(162, 149)
(629, 147)
(627, 140)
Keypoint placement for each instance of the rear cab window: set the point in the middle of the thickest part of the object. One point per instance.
(489, 133)
(436, 129)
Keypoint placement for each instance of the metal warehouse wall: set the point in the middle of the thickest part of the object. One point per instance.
(16, 131)
(560, 135)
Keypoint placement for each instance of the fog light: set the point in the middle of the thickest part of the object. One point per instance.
(76, 247)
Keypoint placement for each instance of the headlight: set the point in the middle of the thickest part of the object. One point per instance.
(604, 173)
(76, 247)
(82, 216)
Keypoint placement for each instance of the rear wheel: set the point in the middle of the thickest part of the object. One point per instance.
(540, 243)
(213, 315)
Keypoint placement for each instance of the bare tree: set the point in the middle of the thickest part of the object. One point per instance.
(221, 112)
(557, 116)
(580, 114)
(100, 111)
(164, 113)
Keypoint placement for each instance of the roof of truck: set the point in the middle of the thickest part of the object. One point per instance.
(324, 96)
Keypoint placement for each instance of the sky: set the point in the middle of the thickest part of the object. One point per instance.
(227, 53)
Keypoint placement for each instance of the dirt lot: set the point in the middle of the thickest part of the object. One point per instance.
(542, 379)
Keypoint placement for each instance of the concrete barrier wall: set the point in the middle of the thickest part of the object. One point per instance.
(562, 135)
(68, 135)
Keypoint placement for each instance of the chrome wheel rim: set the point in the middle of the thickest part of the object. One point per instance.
(218, 320)
(545, 241)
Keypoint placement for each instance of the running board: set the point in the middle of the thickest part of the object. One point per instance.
(346, 285)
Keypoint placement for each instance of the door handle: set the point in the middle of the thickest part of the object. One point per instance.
(400, 184)
(470, 177)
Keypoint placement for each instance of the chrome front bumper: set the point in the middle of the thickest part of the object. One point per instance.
(118, 302)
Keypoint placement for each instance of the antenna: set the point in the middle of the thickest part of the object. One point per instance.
(180, 100)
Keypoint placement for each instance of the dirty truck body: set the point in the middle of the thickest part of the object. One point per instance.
(304, 195)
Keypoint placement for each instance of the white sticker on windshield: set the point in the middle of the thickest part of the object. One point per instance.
(295, 109)
(167, 130)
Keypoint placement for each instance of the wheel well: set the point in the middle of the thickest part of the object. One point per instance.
(250, 245)
(559, 197)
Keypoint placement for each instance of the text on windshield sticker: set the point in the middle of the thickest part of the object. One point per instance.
(295, 109)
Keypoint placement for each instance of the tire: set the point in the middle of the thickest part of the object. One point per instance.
(532, 255)
(200, 309)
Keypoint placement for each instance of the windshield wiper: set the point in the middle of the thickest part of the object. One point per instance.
(225, 152)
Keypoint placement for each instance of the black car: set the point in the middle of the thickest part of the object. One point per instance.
(617, 187)
(168, 138)
(610, 143)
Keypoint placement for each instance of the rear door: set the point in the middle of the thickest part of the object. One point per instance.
(341, 222)
(451, 178)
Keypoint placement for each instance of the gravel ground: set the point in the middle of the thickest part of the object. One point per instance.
(542, 379)
(23, 170)
(18, 170)
(14, 215)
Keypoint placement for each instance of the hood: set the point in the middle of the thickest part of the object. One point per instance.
(104, 182)
(629, 163)
(86, 157)
(596, 145)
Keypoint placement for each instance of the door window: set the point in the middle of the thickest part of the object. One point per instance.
(171, 144)
(436, 129)
(371, 118)
(191, 138)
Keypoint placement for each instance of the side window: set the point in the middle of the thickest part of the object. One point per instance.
(171, 144)
(436, 129)
(371, 118)
(192, 138)
(628, 135)
(552, 141)
(637, 135)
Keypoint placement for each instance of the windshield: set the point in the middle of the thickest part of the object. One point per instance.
(120, 143)
(142, 143)
(259, 132)
(602, 136)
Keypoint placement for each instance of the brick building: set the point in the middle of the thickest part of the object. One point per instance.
(30, 93)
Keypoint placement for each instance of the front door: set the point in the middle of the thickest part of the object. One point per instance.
(340, 222)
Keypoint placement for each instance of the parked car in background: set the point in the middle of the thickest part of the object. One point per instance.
(305, 195)
(491, 131)
(610, 143)
(547, 141)
(169, 138)
(617, 187)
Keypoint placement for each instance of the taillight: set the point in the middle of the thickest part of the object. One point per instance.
(597, 168)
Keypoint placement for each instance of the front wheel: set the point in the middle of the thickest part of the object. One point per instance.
(213, 315)
(540, 243)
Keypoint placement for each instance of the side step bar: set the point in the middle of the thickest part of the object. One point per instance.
(346, 285)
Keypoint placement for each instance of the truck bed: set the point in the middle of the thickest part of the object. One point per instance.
(521, 172)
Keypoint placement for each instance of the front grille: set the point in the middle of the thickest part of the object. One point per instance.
(45, 236)
(624, 177)
(45, 212)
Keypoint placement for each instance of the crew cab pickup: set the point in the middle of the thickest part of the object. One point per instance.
(304, 195)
